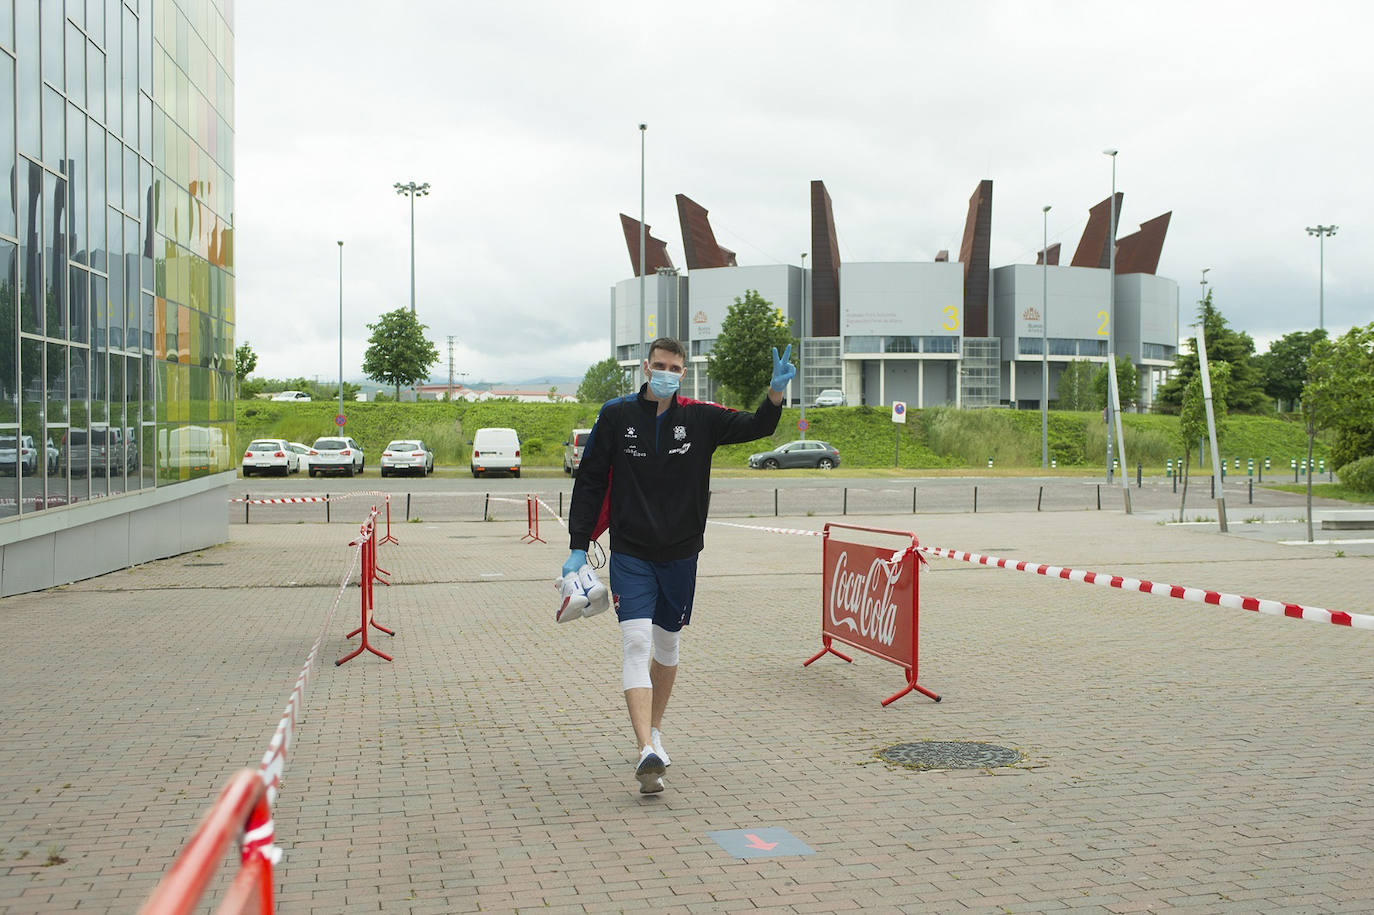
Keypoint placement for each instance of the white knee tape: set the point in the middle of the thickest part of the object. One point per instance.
(665, 646)
(635, 641)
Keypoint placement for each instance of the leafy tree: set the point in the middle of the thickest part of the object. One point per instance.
(1076, 389)
(1339, 394)
(605, 380)
(1192, 416)
(1236, 348)
(1127, 382)
(741, 359)
(398, 353)
(1283, 369)
(245, 360)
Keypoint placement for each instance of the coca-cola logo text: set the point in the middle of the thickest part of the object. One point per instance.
(863, 601)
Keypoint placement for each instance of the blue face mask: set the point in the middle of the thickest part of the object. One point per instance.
(664, 384)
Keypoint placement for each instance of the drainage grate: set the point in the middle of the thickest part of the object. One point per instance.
(950, 754)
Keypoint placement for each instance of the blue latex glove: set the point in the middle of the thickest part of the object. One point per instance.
(783, 369)
(575, 561)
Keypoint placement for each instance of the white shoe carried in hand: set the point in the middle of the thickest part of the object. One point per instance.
(572, 598)
(598, 595)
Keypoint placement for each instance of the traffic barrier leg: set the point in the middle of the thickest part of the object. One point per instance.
(532, 521)
(389, 538)
(365, 581)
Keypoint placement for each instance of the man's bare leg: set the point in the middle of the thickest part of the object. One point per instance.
(662, 677)
(640, 703)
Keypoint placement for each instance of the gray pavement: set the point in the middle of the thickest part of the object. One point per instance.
(1174, 755)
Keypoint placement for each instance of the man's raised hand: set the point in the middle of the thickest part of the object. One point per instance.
(783, 369)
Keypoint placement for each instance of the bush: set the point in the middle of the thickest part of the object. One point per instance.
(1358, 475)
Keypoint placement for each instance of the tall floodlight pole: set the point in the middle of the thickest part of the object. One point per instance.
(412, 190)
(643, 329)
(1045, 339)
(1211, 420)
(801, 348)
(1114, 392)
(341, 409)
(1321, 232)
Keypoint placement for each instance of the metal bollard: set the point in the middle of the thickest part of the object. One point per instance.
(407, 506)
(845, 509)
(326, 508)
(1138, 471)
(1252, 491)
(486, 507)
(246, 497)
(913, 500)
(560, 503)
(775, 502)
(1099, 497)
(1039, 498)
(1213, 478)
(975, 500)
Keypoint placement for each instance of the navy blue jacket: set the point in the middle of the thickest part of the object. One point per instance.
(662, 472)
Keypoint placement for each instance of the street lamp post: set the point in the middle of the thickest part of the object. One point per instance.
(1321, 232)
(1045, 339)
(1114, 392)
(412, 190)
(341, 409)
(643, 352)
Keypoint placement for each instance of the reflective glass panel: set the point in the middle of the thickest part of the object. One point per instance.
(129, 94)
(148, 452)
(56, 377)
(114, 170)
(95, 19)
(9, 482)
(95, 81)
(76, 65)
(54, 255)
(95, 174)
(132, 300)
(30, 247)
(115, 448)
(113, 64)
(9, 380)
(51, 12)
(54, 127)
(114, 290)
(8, 225)
(74, 166)
(31, 385)
(28, 97)
(7, 23)
(48, 460)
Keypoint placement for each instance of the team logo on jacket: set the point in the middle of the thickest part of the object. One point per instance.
(679, 432)
(629, 431)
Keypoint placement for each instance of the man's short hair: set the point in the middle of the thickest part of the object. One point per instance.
(668, 345)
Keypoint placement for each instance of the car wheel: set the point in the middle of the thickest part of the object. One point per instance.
(825, 463)
(285, 471)
(516, 474)
(476, 475)
(384, 473)
(348, 471)
(247, 473)
(771, 464)
(573, 474)
(311, 472)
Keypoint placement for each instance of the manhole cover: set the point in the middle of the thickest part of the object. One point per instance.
(201, 565)
(950, 754)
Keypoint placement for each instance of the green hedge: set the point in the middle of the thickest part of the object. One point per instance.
(1359, 475)
(865, 436)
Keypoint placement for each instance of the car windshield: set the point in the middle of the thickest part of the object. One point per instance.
(7, 441)
(403, 446)
(265, 446)
(330, 444)
(581, 439)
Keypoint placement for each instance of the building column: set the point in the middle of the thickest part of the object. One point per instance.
(920, 383)
(1011, 369)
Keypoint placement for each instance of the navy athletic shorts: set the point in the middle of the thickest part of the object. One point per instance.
(658, 591)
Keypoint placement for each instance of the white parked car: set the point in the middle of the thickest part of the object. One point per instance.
(830, 397)
(407, 455)
(292, 396)
(18, 455)
(495, 449)
(572, 450)
(336, 454)
(270, 455)
(302, 453)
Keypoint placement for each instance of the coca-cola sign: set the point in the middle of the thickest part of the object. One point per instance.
(870, 599)
(862, 601)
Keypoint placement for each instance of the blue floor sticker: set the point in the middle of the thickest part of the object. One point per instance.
(771, 842)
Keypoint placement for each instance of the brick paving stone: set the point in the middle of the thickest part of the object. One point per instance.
(1174, 754)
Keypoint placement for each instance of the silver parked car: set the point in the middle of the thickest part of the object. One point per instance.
(302, 455)
(809, 453)
(407, 455)
(336, 454)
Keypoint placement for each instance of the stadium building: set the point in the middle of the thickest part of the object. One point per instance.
(116, 284)
(942, 333)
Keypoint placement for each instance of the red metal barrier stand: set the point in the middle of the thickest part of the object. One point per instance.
(869, 600)
(365, 586)
(388, 538)
(532, 521)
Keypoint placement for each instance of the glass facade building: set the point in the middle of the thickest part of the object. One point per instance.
(116, 259)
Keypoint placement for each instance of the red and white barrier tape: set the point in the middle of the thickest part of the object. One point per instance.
(273, 763)
(286, 501)
(552, 512)
(1197, 595)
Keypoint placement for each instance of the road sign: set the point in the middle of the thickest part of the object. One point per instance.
(898, 411)
(803, 425)
(340, 419)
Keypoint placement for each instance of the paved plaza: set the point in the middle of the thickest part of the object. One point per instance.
(1171, 755)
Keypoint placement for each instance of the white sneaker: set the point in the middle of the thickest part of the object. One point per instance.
(598, 595)
(649, 772)
(656, 738)
(573, 598)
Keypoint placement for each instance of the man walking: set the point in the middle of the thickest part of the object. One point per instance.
(657, 447)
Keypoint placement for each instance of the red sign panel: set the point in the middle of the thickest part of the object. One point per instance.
(869, 600)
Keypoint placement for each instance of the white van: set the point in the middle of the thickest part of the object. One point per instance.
(495, 449)
(572, 450)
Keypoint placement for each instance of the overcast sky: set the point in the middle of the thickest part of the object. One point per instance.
(1248, 121)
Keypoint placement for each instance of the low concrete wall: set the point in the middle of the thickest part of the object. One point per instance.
(81, 541)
